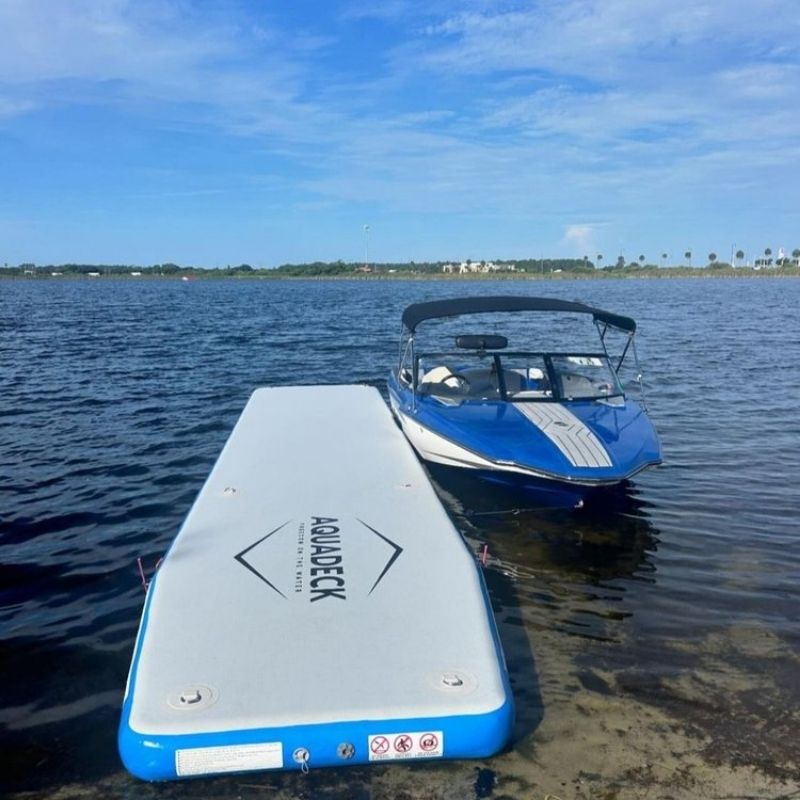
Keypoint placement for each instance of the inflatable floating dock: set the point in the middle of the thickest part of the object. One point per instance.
(317, 608)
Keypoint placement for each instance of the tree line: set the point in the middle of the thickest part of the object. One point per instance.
(531, 266)
(712, 260)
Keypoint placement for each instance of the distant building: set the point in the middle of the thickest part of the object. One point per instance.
(484, 267)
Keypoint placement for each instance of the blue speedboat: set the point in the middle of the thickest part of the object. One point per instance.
(553, 420)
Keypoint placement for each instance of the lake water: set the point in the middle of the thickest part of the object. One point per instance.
(653, 645)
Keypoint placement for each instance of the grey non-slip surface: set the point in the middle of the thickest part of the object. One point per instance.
(316, 579)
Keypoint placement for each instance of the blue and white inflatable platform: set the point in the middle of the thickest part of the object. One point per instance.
(317, 608)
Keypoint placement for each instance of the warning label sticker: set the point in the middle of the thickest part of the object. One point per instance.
(229, 758)
(419, 744)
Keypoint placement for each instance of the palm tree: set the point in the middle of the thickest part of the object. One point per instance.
(599, 258)
(712, 257)
(688, 256)
(740, 255)
(641, 260)
(796, 255)
(663, 259)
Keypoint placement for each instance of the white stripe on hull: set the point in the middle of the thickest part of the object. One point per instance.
(440, 450)
(577, 442)
(432, 447)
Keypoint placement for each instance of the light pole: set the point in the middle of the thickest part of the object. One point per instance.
(366, 246)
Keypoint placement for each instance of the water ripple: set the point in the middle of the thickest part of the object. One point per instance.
(118, 396)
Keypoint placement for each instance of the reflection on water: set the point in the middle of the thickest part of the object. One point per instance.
(652, 637)
(610, 537)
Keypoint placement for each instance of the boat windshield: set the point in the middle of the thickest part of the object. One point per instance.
(517, 377)
(585, 376)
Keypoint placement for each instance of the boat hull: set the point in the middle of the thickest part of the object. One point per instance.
(548, 448)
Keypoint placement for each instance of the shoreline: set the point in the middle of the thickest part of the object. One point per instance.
(670, 273)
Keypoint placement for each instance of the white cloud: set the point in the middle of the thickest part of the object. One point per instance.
(539, 111)
(9, 107)
(47, 40)
(152, 52)
(599, 39)
(580, 239)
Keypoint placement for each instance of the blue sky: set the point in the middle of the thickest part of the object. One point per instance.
(214, 133)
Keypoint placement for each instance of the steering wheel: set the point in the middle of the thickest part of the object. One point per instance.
(462, 380)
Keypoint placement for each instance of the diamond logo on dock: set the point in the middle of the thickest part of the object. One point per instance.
(321, 559)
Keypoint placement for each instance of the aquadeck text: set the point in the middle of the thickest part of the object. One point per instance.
(326, 571)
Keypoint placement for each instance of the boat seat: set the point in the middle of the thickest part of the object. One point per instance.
(514, 381)
(436, 375)
(482, 382)
(576, 386)
(441, 381)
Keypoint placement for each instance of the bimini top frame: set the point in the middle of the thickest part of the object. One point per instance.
(419, 312)
(453, 307)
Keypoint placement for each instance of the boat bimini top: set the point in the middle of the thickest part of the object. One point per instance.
(419, 312)
(517, 376)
